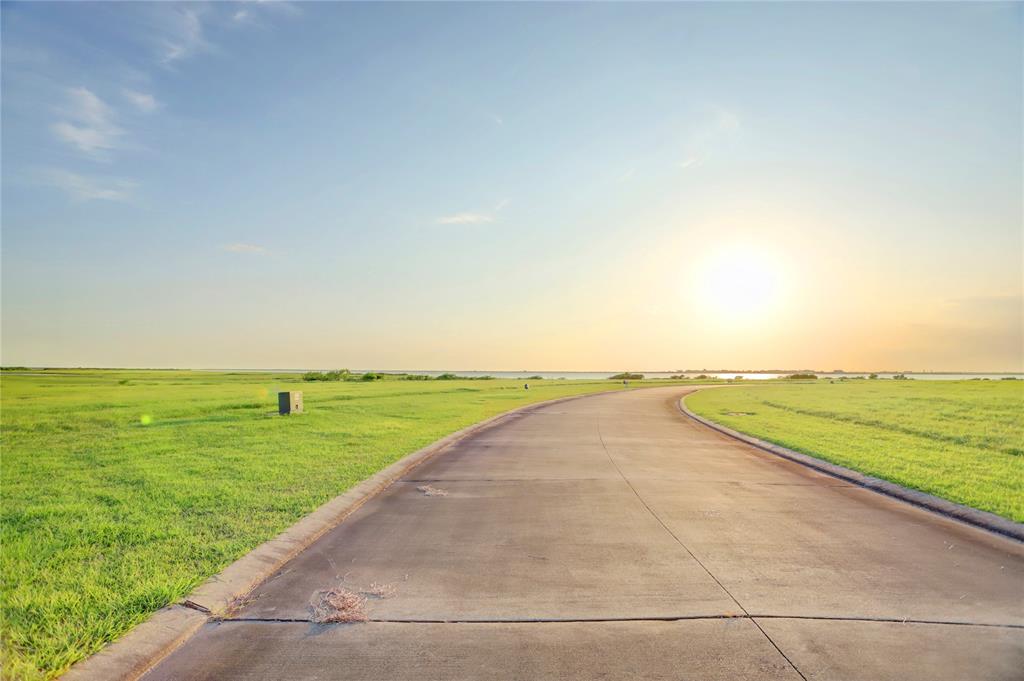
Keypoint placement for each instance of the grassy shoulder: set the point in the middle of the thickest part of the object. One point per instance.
(123, 490)
(963, 440)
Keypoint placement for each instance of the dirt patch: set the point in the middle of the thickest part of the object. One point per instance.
(429, 491)
(378, 590)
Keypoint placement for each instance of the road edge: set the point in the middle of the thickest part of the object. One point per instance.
(949, 509)
(150, 641)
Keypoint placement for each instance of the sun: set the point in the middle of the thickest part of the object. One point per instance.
(740, 283)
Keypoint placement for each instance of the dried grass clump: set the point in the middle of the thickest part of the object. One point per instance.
(337, 605)
(430, 491)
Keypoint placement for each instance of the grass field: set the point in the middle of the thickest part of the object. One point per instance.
(963, 441)
(123, 490)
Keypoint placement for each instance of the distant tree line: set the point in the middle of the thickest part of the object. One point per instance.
(341, 375)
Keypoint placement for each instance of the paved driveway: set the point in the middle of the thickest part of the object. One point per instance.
(609, 537)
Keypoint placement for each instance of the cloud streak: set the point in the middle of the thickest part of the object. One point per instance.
(142, 101)
(185, 36)
(464, 219)
(91, 128)
(91, 188)
(721, 127)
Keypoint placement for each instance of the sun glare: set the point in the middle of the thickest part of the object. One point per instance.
(741, 284)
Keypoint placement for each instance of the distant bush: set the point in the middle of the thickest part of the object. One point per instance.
(873, 376)
(900, 377)
(371, 376)
(626, 377)
(679, 377)
(446, 377)
(337, 375)
(14, 368)
(535, 378)
(1008, 378)
(703, 377)
(736, 378)
(415, 377)
(801, 377)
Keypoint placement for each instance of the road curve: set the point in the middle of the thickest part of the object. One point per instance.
(611, 537)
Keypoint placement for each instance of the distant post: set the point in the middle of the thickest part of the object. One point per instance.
(289, 402)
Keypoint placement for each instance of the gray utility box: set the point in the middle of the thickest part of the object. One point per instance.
(290, 403)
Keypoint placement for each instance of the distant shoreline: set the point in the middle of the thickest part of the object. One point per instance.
(757, 374)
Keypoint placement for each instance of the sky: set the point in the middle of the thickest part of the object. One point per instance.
(582, 186)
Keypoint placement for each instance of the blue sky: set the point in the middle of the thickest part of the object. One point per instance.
(507, 186)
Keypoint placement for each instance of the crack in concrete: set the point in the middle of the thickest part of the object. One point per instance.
(687, 549)
(665, 618)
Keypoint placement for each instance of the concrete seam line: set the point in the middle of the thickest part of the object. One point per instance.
(949, 509)
(145, 645)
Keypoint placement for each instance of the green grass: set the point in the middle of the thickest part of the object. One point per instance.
(963, 441)
(123, 490)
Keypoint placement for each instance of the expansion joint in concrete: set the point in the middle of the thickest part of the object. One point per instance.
(692, 555)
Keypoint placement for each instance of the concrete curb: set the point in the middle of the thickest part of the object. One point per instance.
(139, 650)
(966, 514)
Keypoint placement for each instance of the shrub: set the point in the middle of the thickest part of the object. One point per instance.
(336, 375)
(371, 376)
(415, 377)
(626, 377)
(446, 377)
(801, 377)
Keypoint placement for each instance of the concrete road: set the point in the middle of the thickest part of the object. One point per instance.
(610, 537)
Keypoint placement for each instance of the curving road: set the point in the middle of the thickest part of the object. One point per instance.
(610, 537)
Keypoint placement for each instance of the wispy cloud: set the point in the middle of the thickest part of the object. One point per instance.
(91, 128)
(144, 102)
(280, 6)
(464, 219)
(251, 249)
(471, 218)
(90, 188)
(720, 127)
(252, 11)
(184, 35)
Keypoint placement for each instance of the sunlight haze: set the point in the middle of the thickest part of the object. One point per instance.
(513, 186)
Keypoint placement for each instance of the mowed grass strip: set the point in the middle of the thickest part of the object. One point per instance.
(121, 491)
(962, 440)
